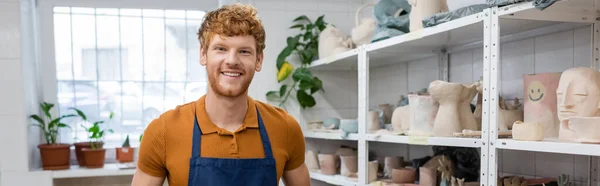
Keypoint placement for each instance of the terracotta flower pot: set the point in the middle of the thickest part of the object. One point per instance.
(55, 157)
(125, 154)
(79, 151)
(94, 158)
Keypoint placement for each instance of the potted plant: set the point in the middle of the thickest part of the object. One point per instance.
(54, 155)
(125, 152)
(92, 153)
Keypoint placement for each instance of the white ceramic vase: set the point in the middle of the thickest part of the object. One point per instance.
(423, 111)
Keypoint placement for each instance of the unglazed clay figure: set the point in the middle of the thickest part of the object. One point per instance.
(423, 110)
(454, 113)
(478, 113)
(373, 124)
(387, 111)
(578, 94)
(427, 176)
(373, 167)
(508, 113)
(528, 131)
(349, 166)
(540, 101)
(329, 164)
(422, 9)
(404, 175)
(587, 129)
(401, 120)
(333, 41)
(311, 160)
(363, 32)
(391, 163)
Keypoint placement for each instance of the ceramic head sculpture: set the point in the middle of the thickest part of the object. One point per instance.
(578, 94)
(333, 41)
(422, 9)
(540, 101)
(587, 129)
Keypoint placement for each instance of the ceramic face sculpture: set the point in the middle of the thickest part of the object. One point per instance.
(333, 41)
(578, 94)
(454, 113)
(422, 9)
(586, 128)
(540, 101)
(401, 120)
(423, 110)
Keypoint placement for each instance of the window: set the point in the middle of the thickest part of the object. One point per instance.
(137, 63)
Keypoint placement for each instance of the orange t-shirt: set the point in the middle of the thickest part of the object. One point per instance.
(166, 148)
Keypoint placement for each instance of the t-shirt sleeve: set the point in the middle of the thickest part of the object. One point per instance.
(296, 149)
(152, 153)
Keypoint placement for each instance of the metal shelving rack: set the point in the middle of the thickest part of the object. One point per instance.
(487, 30)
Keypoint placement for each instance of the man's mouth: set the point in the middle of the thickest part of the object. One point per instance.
(231, 74)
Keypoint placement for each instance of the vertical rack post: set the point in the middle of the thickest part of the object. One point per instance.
(486, 97)
(363, 109)
(443, 65)
(494, 95)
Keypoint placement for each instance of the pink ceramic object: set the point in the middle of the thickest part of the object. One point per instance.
(423, 111)
(427, 176)
(401, 120)
(391, 163)
(540, 101)
(587, 129)
(329, 164)
(404, 175)
(349, 165)
(578, 94)
(373, 124)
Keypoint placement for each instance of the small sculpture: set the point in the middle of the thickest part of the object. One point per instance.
(586, 128)
(373, 167)
(445, 167)
(457, 181)
(329, 164)
(423, 111)
(578, 94)
(514, 181)
(508, 113)
(333, 41)
(540, 101)
(349, 166)
(311, 160)
(564, 180)
(401, 120)
(421, 9)
(374, 124)
(390, 163)
(363, 32)
(385, 111)
(478, 113)
(527, 131)
(454, 112)
(404, 175)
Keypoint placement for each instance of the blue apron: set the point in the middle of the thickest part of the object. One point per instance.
(232, 172)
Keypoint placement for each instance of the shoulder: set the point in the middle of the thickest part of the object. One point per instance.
(275, 114)
(172, 117)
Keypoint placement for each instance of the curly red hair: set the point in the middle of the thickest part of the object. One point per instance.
(232, 20)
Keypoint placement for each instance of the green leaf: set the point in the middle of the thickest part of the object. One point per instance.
(287, 51)
(305, 99)
(298, 26)
(293, 41)
(46, 107)
(320, 21)
(111, 131)
(282, 90)
(309, 27)
(62, 125)
(302, 74)
(86, 129)
(112, 114)
(98, 122)
(307, 36)
(318, 85)
(307, 56)
(305, 85)
(302, 17)
(80, 113)
(38, 119)
(273, 96)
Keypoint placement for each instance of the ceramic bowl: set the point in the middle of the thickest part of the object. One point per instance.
(332, 123)
(349, 125)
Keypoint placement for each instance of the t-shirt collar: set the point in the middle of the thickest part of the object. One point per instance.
(207, 126)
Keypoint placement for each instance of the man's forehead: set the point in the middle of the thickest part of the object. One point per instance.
(238, 40)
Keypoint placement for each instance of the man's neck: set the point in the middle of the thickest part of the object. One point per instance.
(226, 112)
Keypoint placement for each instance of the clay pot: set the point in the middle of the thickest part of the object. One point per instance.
(391, 163)
(427, 176)
(349, 165)
(329, 164)
(124, 154)
(79, 151)
(55, 157)
(311, 160)
(528, 131)
(94, 158)
(374, 122)
(404, 175)
(373, 167)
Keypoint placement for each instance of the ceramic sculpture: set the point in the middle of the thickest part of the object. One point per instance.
(329, 164)
(423, 110)
(401, 120)
(454, 112)
(427, 176)
(528, 131)
(587, 129)
(349, 166)
(315, 125)
(373, 167)
(391, 163)
(331, 123)
(478, 113)
(373, 125)
(333, 41)
(540, 101)
(404, 175)
(514, 181)
(311, 160)
(364, 30)
(421, 9)
(508, 113)
(578, 94)
(386, 111)
(348, 126)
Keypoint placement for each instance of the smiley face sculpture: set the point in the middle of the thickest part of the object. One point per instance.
(540, 101)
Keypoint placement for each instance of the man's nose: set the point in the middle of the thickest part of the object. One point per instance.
(232, 58)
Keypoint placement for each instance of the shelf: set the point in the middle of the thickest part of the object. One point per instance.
(334, 135)
(550, 145)
(334, 180)
(418, 140)
(109, 169)
(342, 61)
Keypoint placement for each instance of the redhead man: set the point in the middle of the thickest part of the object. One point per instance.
(225, 137)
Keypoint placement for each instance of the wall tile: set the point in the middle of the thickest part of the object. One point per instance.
(518, 162)
(582, 43)
(461, 67)
(554, 52)
(421, 73)
(307, 5)
(263, 5)
(334, 6)
(517, 60)
(10, 30)
(552, 165)
(387, 84)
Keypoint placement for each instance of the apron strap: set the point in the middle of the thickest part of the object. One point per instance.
(197, 138)
(264, 137)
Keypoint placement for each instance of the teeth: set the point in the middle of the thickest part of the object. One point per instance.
(231, 74)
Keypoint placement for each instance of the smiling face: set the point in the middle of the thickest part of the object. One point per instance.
(536, 91)
(230, 63)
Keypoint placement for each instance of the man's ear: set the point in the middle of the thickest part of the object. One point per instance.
(259, 61)
(202, 57)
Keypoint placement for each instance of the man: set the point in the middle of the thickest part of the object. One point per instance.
(225, 137)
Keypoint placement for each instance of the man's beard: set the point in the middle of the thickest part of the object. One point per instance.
(221, 91)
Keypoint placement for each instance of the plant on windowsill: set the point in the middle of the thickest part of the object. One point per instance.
(125, 152)
(54, 155)
(94, 155)
(305, 47)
